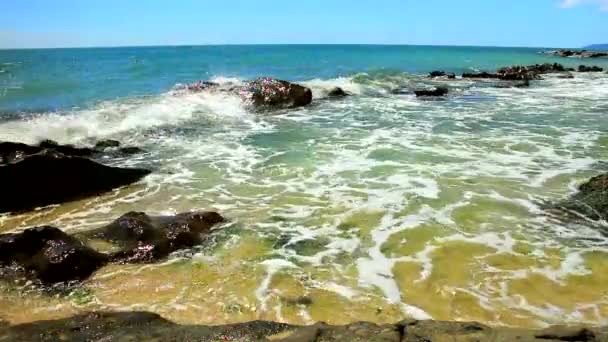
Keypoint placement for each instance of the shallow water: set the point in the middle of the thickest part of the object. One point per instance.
(374, 207)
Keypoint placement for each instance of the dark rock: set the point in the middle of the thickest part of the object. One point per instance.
(584, 68)
(269, 93)
(337, 92)
(480, 75)
(591, 201)
(143, 326)
(50, 177)
(49, 255)
(443, 74)
(436, 74)
(578, 53)
(150, 238)
(439, 91)
(402, 91)
(201, 85)
(12, 152)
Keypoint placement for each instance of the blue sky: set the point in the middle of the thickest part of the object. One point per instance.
(70, 23)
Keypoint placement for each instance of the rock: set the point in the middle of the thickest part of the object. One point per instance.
(143, 326)
(269, 93)
(11, 151)
(201, 85)
(578, 53)
(439, 91)
(442, 74)
(584, 68)
(337, 92)
(480, 75)
(591, 201)
(402, 91)
(50, 177)
(49, 255)
(150, 238)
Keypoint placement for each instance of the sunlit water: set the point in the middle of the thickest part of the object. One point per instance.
(373, 207)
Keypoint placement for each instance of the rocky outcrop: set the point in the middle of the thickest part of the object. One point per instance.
(442, 74)
(438, 91)
(49, 177)
(591, 202)
(584, 68)
(269, 93)
(150, 238)
(337, 92)
(143, 326)
(577, 53)
(49, 255)
(519, 72)
(12, 152)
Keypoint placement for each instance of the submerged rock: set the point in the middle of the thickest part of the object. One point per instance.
(270, 93)
(584, 68)
(439, 91)
(49, 255)
(50, 177)
(519, 72)
(150, 238)
(144, 326)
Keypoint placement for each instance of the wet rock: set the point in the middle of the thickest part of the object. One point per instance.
(150, 238)
(566, 75)
(142, 326)
(591, 201)
(442, 74)
(49, 255)
(50, 177)
(438, 91)
(269, 93)
(483, 74)
(578, 53)
(584, 68)
(402, 91)
(11, 152)
(337, 92)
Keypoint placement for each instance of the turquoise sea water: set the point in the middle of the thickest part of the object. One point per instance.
(378, 206)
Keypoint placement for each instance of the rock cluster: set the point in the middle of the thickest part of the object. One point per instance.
(50, 256)
(144, 326)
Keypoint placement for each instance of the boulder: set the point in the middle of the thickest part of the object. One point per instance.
(442, 74)
(149, 238)
(269, 93)
(483, 74)
(519, 72)
(49, 255)
(439, 91)
(584, 68)
(337, 92)
(590, 201)
(50, 177)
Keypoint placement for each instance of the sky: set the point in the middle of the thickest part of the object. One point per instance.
(77, 23)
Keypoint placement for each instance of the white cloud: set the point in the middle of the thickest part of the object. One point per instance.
(572, 3)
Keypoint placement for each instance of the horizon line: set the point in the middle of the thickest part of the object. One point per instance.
(277, 44)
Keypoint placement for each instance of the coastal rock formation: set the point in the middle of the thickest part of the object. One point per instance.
(519, 72)
(49, 255)
(337, 92)
(50, 177)
(269, 93)
(577, 53)
(584, 68)
(149, 238)
(438, 91)
(591, 201)
(11, 151)
(144, 326)
(442, 74)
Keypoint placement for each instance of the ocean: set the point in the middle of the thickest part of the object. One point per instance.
(379, 206)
